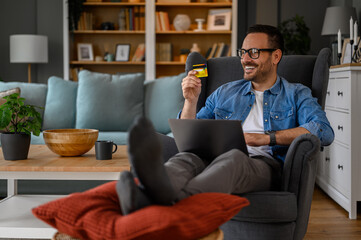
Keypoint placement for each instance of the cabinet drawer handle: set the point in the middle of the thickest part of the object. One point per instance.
(327, 159)
(339, 127)
(340, 166)
(339, 93)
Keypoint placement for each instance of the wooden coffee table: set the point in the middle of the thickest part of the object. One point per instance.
(16, 219)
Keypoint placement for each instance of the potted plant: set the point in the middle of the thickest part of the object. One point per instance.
(19, 121)
(296, 35)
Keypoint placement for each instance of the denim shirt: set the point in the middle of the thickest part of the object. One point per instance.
(285, 105)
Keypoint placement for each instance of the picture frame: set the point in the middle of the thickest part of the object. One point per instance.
(122, 52)
(346, 51)
(219, 19)
(85, 52)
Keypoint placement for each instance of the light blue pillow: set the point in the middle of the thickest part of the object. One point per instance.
(34, 93)
(109, 102)
(163, 100)
(60, 108)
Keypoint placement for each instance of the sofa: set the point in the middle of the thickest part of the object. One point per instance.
(100, 101)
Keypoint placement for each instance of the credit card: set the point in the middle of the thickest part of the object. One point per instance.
(201, 70)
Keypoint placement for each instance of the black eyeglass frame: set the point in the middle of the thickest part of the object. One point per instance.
(259, 50)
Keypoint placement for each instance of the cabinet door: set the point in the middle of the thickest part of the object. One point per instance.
(339, 170)
(342, 91)
(330, 94)
(341, 125)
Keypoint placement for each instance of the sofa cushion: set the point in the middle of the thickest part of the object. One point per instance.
(269, 207)
(60, 108)
(109, 102)
(34, 93)
(163, 100)
(119, 138)
(96, 214)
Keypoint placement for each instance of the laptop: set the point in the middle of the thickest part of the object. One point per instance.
(208, 138)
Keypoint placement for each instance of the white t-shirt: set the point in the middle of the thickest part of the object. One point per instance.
(254, 124)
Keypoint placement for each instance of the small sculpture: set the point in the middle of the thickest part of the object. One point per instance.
(199, 24)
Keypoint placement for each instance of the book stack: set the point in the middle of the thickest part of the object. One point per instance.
(85, 21)
(139, 54)
(164, 52)
(132, 18)
(219, 50)
(162, 21)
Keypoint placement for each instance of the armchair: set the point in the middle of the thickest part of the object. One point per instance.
(281, 214)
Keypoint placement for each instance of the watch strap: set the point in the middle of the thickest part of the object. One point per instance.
(272, 135)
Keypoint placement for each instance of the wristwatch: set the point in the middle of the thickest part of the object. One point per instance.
(272, 135)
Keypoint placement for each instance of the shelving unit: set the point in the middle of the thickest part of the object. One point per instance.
(105, 41)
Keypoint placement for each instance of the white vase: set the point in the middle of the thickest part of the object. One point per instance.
(181, 22)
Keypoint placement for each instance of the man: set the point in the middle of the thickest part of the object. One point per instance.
(273, 113)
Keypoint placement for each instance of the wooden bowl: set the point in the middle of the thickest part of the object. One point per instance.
(70, 142)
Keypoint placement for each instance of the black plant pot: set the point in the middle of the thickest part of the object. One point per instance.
(15, 145)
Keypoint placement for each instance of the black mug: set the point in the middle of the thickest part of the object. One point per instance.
(104, 150)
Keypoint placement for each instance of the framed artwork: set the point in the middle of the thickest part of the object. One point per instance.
(346, 51)
(219, 19)
(122, 52)
(85, 52)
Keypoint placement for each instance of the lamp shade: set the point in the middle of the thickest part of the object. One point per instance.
(338, 18)
(25, 48)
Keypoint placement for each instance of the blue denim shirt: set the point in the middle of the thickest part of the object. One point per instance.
(285, 105)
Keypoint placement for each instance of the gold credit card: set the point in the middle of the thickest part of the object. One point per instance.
(201, 70)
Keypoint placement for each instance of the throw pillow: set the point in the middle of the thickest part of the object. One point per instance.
(109, 102)
(60, 108)
(163, 100)
(34, 93)
(95, 214)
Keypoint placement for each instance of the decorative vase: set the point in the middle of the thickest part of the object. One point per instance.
(15, 146)
(181, 22)
(195, 48)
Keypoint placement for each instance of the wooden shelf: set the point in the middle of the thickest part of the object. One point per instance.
(207, 4)
(195, 32)
(112, 4)
(105, 63)
(346, 65)
(107, 32)
(170, 63)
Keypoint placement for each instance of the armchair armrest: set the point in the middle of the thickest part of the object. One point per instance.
(299, 175)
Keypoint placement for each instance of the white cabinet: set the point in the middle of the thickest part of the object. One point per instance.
(340, 165)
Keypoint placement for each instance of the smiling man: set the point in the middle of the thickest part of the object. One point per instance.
(273, 113)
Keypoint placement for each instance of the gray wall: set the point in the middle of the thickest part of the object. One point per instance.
(43, 17)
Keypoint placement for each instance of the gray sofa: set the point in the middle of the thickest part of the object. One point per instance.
(100, 101)
(281, 214)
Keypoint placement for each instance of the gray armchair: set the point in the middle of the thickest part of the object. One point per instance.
(281, 214)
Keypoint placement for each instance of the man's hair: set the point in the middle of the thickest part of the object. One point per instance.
(275, 37)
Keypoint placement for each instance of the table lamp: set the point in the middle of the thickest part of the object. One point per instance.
(26, 48)
(336, 18)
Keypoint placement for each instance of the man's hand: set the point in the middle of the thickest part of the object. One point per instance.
(256, 139)
(191, 87)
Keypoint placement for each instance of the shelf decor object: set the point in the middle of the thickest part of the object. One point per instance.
(337, 18)
(219, 19)
(26, 48)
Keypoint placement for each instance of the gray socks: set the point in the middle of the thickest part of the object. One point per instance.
(131, 197)
(145, 155)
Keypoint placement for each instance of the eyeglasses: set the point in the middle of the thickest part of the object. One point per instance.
(253, 52)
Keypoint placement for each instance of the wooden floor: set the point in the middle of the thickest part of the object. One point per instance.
(330, 221)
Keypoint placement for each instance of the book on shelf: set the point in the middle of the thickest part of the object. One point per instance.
(74, 73)
(220, 47)
(85, 21)
(139, 54)
(218, 50)
(158, 26)
(131, 18)
(162, 21)
(164, 52)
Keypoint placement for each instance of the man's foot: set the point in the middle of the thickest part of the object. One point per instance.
(145, 154)
(130, 196)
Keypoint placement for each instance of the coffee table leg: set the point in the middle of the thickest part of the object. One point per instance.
(12, 187)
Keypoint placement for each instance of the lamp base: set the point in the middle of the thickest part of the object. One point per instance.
(29, 73)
